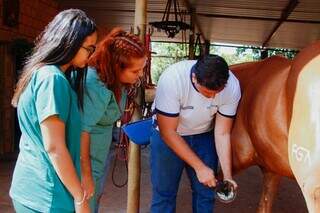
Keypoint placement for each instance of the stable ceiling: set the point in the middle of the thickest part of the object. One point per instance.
(269, 23)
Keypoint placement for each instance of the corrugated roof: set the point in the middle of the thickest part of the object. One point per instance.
(247, 22)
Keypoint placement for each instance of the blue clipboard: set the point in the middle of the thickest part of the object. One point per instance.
(139, 132)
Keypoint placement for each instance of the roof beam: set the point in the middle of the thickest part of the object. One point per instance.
(210, 15)
(191, 8)
(257, 18)
(192, 34)
(284, 15)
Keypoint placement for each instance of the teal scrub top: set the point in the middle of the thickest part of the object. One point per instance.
(100, 111)
(35, 183)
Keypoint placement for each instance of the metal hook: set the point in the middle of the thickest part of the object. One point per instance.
(138, 30)
(151, 30)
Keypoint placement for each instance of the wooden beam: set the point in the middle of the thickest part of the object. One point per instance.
(190, 7)
(285, 14)
(258, 18)
(134, 158)
(192, 34)
(209, 15)
(264, 54)
(207, 46)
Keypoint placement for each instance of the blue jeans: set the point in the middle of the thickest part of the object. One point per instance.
(166, 171)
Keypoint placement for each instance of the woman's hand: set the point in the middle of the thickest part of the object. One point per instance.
(88, 185)
(81, 204)
(87, 181)
(83, 207)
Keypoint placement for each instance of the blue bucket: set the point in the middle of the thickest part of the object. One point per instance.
(139, 131)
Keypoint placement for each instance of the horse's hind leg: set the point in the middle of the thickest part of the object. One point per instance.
(269, 191)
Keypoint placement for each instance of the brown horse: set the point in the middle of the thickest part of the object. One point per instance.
(276, 92)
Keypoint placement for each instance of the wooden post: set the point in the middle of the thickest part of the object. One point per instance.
(206, 47)
(7, 82)
(264, 54)
(192, 36)
(134, 159)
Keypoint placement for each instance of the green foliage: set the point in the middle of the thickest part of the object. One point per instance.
(284, 52)
(174, 50)
(256, 53)
(166, 54)
(170, 53)
(158, 65)
(248, 53)
(236, 55)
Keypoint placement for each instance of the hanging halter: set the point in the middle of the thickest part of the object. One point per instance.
(146, 82)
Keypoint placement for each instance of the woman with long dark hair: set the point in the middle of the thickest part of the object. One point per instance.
(116, 65)
(47, 173)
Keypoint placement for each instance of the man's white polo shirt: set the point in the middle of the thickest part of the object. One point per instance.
(177, 96)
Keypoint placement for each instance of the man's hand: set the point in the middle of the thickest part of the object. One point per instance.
(235, 185)
(206, 176)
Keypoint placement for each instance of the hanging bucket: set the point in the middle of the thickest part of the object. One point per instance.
(139, 131)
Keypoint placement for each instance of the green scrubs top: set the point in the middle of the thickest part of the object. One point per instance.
(100, 111)
(35, 183)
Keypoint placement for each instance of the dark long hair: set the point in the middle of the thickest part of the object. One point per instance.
(57, 45)
(113, 55)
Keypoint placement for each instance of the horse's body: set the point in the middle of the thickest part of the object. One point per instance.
(261, 128)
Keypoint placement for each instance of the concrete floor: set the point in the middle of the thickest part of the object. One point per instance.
(114, 200)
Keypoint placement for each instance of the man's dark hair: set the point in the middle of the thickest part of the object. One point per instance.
(212, 72)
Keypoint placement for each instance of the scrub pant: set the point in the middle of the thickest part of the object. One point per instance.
(99, 152)
(100, 180)
(20, 208)
(167, 168)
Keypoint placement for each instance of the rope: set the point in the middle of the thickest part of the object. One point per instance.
(131, 105)
(147, 80)
(122, 146)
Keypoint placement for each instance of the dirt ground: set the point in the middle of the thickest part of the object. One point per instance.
(289, 198)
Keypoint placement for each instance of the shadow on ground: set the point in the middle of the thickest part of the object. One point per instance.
(114, 200)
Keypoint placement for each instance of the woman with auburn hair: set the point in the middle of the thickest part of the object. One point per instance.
(117, 64)
(46, 177)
